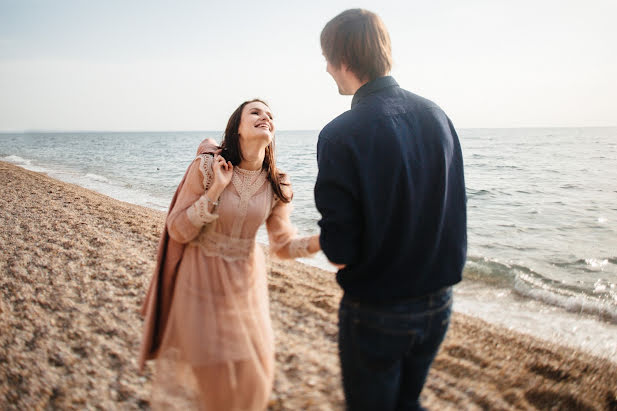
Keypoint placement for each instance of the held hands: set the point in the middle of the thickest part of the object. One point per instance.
(314, 245)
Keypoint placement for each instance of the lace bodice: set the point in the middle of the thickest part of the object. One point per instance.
(246, 183)
(245, 204)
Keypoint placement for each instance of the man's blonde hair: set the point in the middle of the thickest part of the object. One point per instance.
(358, 38)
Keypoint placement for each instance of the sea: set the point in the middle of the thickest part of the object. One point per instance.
(542, 212)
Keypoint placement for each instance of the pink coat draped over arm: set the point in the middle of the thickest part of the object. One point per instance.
(158, 298)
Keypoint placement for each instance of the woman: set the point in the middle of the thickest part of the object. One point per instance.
(207, 321)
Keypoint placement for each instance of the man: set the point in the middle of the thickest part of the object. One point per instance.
(391, 194)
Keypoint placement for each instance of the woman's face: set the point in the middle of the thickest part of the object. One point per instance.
(256, 123)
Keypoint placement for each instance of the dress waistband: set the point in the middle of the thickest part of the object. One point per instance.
(216, 244)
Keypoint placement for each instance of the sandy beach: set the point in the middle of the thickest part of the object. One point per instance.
(74, 267)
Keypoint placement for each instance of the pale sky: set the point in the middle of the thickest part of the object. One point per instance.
(186, 65)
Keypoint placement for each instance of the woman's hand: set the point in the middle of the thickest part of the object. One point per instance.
(314, 245)
(223, 170)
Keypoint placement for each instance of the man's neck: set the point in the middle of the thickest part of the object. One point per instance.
(351, 81)
(356, 86)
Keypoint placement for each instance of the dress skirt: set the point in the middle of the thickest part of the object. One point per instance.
(217, 351)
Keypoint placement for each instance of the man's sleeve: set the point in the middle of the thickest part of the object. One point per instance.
(336, 198)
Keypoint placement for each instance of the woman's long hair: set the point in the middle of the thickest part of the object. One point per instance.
(231, 152)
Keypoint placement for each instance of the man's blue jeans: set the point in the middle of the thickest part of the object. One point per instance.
(386, 351)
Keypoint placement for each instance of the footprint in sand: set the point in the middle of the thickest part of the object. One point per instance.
(463, 353)
(547, 399)
(611, 401)
(323, 304)
(275, 274)
(551, 372)
(277, 288)
(454, 368)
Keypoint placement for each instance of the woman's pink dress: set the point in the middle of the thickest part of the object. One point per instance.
(217, 350)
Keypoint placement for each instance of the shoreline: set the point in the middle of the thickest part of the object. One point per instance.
(540, 316)
(75, 267)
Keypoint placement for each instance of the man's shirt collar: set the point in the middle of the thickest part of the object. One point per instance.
(371, 87)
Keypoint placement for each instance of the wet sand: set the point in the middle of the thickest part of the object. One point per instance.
(74, 267)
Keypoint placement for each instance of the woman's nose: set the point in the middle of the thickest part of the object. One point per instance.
(266, 118)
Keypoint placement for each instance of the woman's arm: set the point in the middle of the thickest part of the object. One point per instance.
(299, 247)
(282, 234)
(195, 207)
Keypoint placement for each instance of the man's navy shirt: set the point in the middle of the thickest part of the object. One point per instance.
(391, 193)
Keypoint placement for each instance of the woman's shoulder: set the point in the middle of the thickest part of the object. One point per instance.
(208, 145)
(205, 155)
(203, 163)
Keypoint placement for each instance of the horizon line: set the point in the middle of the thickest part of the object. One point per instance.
(43, 131)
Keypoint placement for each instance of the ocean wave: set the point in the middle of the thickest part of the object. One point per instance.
(24, 163)
(570, 186)
(602, 308)
(600, 301)
(589, 265)
(97, 177)
(508, 166)
(118, 190)
(477, 193)
(16, 160)
(489, 271)
(596, 263)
